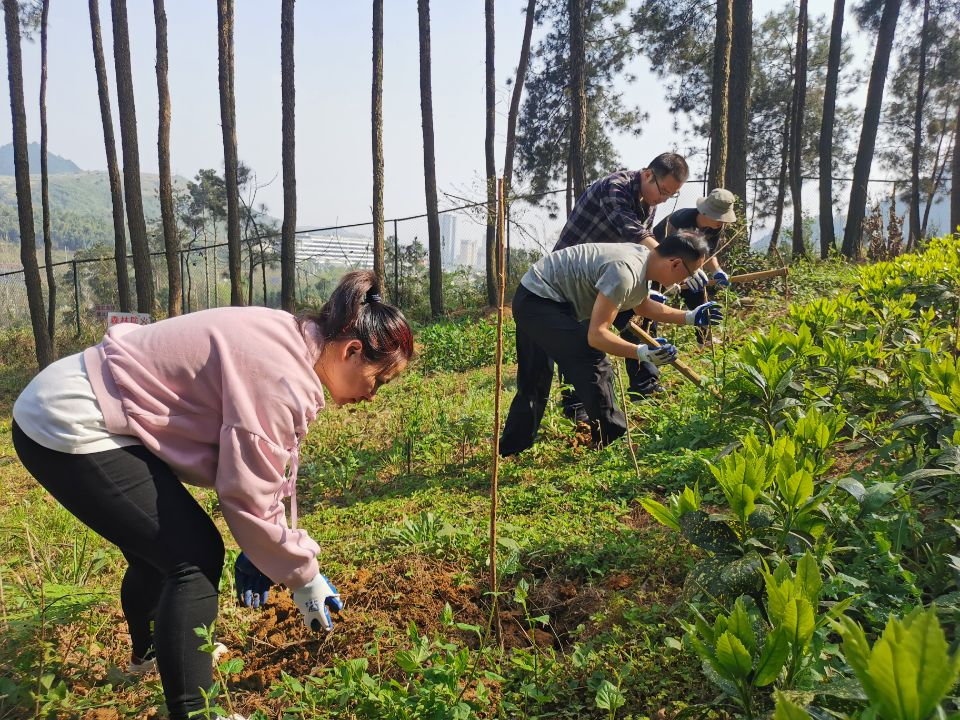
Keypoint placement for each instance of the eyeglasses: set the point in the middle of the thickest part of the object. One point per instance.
(663, 195)
(686, 267)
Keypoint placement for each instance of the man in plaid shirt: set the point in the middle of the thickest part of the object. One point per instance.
(620, 208)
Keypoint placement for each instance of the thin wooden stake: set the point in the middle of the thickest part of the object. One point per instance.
(501, 288)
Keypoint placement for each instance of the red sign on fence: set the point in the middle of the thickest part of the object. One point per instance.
(115, 318)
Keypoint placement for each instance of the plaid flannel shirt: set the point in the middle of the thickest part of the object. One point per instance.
(609, 211)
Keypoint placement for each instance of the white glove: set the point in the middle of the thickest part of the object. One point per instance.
(698, 281)
(662, 355)
(315, 600)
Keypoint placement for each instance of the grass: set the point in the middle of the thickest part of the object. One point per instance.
(396, 495)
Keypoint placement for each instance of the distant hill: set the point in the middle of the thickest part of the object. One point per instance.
(55, 164)
(81, 211)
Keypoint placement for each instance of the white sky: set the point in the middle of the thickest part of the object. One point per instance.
(333, 65)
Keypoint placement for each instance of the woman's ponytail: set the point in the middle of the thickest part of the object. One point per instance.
(356, 310)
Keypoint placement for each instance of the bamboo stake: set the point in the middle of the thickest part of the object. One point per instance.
(688, 372)
(494, 480)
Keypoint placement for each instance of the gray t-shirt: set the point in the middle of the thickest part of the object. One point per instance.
(576, 274)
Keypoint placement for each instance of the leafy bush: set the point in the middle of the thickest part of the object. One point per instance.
(461, 346)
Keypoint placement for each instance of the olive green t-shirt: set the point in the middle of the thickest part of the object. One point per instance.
(576, 274)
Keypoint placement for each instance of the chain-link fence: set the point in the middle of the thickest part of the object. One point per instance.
(87, 287)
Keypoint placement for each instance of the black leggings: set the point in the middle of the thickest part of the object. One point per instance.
(175, 553)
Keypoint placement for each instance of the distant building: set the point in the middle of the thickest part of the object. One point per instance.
(448, 239)
(353, 252)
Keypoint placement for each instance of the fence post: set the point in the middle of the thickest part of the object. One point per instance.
(396, 265)
(76, 295)
(183, 295)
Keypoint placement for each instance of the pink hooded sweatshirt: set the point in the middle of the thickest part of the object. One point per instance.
(223, 397)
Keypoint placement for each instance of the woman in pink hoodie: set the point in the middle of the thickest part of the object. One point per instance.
(219, 398)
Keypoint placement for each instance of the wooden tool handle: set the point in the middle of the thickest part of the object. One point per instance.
(762, 275)
(744, 278)
(685, 370)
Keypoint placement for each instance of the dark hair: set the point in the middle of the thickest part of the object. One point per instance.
(689, 245)
(356, 310)
(670, 163)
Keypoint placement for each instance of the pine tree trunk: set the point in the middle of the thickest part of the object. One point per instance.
(488, 147)
(429, 162)
(868, 134)
(578, 96)
(720, 95)
(828, 240)
(741, 52)
(228, 124)
(28, 239)
(171, 238)
(915, 236)
(126, 106)
(796, 144)
(44, 182)
(782, 179)
(288, 238)
(514, 111)
(113, 168)
(376, 125)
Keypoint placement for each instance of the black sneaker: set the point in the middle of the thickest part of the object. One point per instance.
(576, 414)
(645, 391)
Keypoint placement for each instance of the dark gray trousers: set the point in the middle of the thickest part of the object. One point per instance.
(548, 333)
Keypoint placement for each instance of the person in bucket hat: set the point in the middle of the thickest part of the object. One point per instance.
(711, 215)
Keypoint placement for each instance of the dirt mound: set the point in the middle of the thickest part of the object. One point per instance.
(380, 605)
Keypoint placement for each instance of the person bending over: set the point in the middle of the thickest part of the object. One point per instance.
(563, 310)
(221, 399)
(710, 216)
(620, 208)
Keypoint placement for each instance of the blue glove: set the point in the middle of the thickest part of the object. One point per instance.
(253, 587)
(665, 354)
(705, 315)
(722, 279)
(315, 600)
(657, 297)
(698, 281)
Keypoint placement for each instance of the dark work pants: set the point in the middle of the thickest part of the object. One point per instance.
(640, 375)
(548, 333)
(175, 553)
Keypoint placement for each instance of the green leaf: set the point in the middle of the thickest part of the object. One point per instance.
(739, 624)
(877, 496)
(936, 670)
(894, 672)
(798, 621)
(733, 656)
(775, 653)
(660, 513)
(856, 650)
(808, 578)
(716, 537)
(796, 488)
(609, 697)
(786, 710)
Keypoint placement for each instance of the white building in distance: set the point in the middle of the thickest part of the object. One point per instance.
(448, 239)
(352, 252)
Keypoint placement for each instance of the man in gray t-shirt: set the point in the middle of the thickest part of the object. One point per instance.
(563, 310)
(576, 274)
